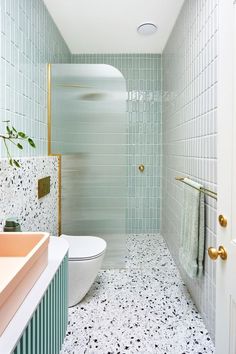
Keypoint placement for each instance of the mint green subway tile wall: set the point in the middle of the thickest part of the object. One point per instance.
(143, 76)
(47, 328)
(29, 40)
(190, 111)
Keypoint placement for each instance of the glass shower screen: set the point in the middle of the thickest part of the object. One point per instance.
(89, 130)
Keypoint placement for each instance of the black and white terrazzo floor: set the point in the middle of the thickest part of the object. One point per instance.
(143, 309)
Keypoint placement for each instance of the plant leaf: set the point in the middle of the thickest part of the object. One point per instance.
(31, 142)
(20, 146)
(16, 163)
(9, 130)
(22, 135)
(13, 134)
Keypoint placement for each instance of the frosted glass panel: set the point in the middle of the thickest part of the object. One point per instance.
(89, 129)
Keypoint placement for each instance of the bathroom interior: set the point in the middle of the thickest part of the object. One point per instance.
(117, 201)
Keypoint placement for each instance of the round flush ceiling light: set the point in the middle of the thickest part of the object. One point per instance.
(147, 28)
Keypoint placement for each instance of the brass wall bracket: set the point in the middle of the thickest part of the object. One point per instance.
(141, 168)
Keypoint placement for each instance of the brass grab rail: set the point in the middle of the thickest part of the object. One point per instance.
(202, 190)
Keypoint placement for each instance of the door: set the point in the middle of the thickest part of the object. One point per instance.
(226, 235)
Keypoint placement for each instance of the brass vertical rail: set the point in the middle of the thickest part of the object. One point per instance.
(50, 146)
(49, 110)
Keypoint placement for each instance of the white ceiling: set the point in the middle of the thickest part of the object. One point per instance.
(110, 26)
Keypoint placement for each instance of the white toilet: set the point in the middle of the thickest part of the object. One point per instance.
(86, 254)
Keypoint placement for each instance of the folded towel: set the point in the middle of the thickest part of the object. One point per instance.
(191, 252)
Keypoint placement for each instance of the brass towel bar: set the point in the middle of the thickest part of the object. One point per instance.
(202, 190)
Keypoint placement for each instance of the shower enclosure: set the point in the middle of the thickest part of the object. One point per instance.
(89, 131)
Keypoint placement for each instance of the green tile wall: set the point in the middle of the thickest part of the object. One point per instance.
(144, 82)
(47, 328)
(190, 111)
(29, 39)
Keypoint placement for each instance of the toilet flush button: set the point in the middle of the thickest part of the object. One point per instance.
(43, 186)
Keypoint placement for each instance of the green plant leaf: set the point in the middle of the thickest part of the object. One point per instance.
(13, 137)
(22, 135)
(16, 163)
(20, 146)
(9, 130)
(31, 142)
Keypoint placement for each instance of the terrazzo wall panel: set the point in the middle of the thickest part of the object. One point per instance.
(190, 133)
(143, 79)
(29, 40)
(19, 194)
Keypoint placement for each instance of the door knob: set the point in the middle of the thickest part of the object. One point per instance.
(214, 253)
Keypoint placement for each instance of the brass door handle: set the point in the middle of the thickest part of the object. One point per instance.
(214, 253)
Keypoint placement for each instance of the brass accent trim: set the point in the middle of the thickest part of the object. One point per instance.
(73, 85)
(49, 110)
(214, 253)
(205, 191)
(50, 149)
(222, 220)
(141, 168)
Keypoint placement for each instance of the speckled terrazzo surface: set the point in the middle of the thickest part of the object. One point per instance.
(19, 194)
(144, 308)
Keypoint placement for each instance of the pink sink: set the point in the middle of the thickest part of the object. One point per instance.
(23, 257)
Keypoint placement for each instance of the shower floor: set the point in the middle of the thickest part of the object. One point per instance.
(144, 308)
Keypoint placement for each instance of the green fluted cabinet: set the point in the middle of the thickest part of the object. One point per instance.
(47, 328)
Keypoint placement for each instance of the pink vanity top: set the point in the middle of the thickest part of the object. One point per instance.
(23, 257)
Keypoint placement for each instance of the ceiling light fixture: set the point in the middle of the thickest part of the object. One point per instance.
(147, 28)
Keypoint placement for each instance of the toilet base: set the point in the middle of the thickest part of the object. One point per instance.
(81, 277)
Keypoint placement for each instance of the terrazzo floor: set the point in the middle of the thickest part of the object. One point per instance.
(144, 308)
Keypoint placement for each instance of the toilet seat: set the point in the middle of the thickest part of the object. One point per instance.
(82, 248)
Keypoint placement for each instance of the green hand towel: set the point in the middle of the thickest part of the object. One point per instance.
(192, 238)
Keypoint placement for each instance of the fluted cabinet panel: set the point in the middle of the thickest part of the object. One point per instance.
(47, 328)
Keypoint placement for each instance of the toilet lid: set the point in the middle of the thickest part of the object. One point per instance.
(84, 247)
